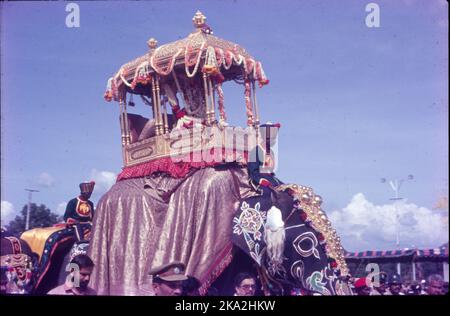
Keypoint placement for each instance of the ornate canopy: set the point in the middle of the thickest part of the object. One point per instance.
(187, 76)
(199, 51)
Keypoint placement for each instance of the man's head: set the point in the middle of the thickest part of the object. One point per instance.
(168, 279)
(435, 285)
(361, 287)
(395, 284)
(86, 189)
(82, 269)
(245, 284)
(381, 285)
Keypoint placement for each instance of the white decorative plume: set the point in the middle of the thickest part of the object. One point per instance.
(274, 235)
(274, 219)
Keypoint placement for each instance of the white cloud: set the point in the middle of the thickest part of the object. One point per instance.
(104, 180)
(45, 180)
(363, 225)
(61, 208)
(8, 212)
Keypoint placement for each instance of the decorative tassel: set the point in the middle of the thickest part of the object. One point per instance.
(169, 67)
(210, 66)
(190, 62)
(108, 96)
(219, 57)
(249, 65)
(262, 79)
(228, 61)
(142, 75)
(274, 236)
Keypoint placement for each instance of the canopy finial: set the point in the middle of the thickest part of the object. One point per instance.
(152, 43)
(199, 19)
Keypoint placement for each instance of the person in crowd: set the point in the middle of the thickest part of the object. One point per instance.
(423, 285)
(80, 212)
(77, 282)
(379, 285)
(81, 209)
(435, 285)
(445, 289)
(167, 279)
(414, 289)
(395, 285)
(361, 287)
(244, 284)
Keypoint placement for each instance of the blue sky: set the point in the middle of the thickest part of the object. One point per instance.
(356, 104)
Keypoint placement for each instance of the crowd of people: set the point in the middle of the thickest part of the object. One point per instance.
(170, 280)
(383, 284)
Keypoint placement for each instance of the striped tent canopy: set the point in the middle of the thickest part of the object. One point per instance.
(433, 253)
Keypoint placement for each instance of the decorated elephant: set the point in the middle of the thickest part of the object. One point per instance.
(182, 184)
(18, 266)
(53, 246)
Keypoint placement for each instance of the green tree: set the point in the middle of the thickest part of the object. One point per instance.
(40, 216)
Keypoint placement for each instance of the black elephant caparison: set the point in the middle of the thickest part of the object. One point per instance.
(295, 254)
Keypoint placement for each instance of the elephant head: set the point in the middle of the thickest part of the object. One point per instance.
(292, 241)
(18, 266)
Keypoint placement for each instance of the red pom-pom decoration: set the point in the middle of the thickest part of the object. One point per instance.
(321, 237)
(303, 215)
(180, 114)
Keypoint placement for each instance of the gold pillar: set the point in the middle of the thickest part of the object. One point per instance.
(213, 103)
(155, 104)
(207, 97)
(166, 121)
(255, 104)
(160, 125)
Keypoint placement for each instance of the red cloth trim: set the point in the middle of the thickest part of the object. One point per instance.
(180, 113)
(62, 225)
(70, 221)
(217, 268)
(173, 168)
(264, 182)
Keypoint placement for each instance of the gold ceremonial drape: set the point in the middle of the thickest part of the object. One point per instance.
(143, 223)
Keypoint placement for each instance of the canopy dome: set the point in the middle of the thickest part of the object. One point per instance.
(200, 50)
